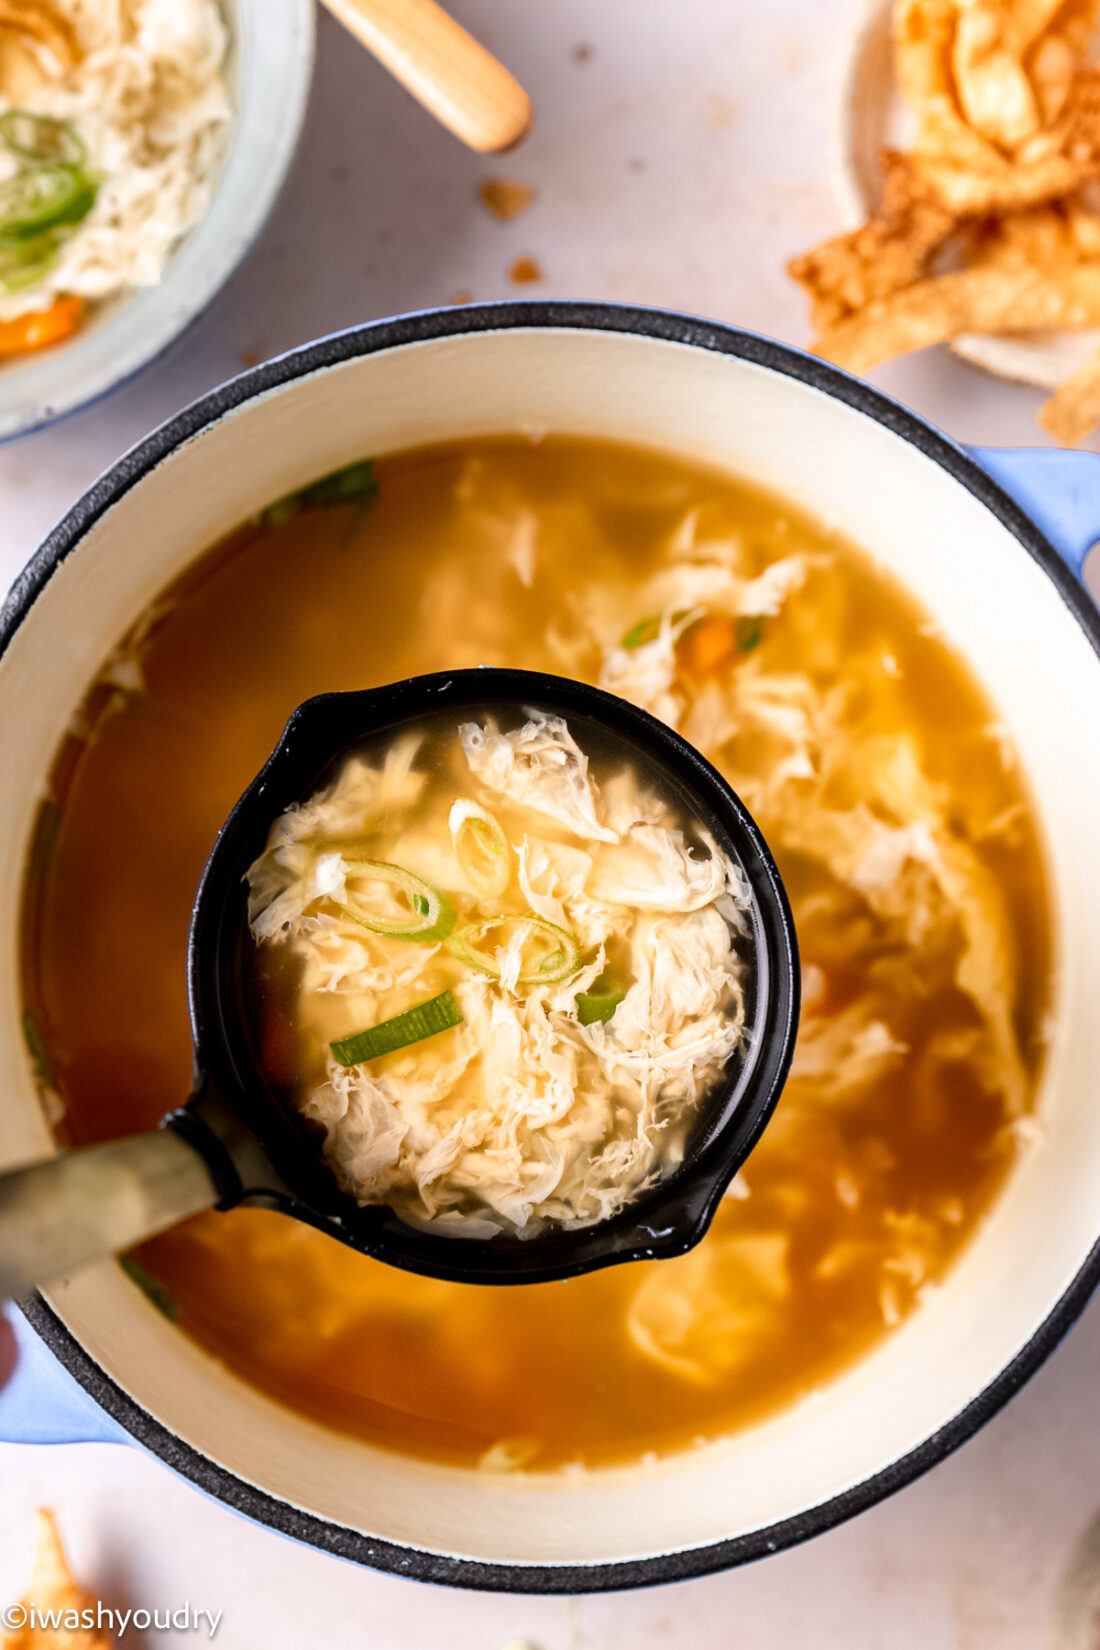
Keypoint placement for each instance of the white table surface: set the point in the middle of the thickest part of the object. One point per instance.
(679, 162)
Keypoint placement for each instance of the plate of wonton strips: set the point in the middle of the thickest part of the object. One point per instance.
(969, 176)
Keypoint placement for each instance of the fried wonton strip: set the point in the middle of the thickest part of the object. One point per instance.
(924, 35)
(996, 131)
(1043, 238)
(892, 250)
(969, 192)
(1031, 20)
(1059, 49)
(1073, 411)
(53, 1592)
(987, 299)
(994, 92)
(999, 93)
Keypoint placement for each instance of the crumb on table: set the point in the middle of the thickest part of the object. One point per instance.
(524, 271)
(505, 198)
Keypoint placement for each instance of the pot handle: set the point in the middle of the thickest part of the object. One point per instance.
(42, 1404)
(1059, 490)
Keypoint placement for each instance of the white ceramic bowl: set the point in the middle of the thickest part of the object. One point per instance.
(870, 116)
(270, 68)
(932, 515)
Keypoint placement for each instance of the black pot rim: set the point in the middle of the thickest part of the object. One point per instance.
(717, 338)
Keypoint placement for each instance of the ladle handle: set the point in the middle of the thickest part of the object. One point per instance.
(444, 68)
(83, 1205)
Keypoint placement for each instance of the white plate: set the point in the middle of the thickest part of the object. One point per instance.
(871, 116)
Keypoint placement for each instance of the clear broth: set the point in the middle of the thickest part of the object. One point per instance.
(429, 578)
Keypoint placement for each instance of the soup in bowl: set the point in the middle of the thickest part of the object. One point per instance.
(797, 577)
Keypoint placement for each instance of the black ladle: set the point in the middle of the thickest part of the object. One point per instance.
(235, 1142)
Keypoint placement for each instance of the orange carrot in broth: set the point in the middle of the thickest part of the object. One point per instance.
(708, 644)
(41, 328)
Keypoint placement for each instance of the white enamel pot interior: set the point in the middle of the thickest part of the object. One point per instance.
(998, 591)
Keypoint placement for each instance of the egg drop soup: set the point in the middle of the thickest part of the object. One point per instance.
(888, 792)
(498, 978)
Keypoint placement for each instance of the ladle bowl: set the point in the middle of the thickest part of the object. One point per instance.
(236, 1142)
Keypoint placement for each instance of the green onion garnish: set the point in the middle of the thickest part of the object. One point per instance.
(39, 1053)
(431, 914)
(550, 953)
(647, 630)
(425, 1020)
(644, 631)
(23, 262)
(750, 628)
(156, 1292)
(354, 481)
(45, 200)
(481, 848)
(41, 138)
(44, 197)
(593, 1006)
(47, 827)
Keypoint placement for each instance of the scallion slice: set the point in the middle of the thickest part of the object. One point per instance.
(39, 1053)
(647, 630)
(157, 1293)
(42, 138)
(481, 848)
(431, 915)
(354, 481)
(44, 197)
(750, 628)
(550, 953)
(23, 262)
(413, 1026)
(597, 1006)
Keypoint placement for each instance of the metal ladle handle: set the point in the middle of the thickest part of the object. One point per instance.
(84, 1205)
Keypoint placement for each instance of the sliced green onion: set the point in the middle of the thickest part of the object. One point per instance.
(647, 630)
(644, 631)
(593, 1006)
(42, 138)
(47, 828)
(39, 1053)
(431, 914)
(425, 1020)
(353, 481)
(750, 628)
(558, 958)
(23, 262)
(157, 1293)
(283, 509)
(481, 848)
(44, 197)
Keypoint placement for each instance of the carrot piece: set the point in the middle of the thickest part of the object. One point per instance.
(708, 644)
(40, 328)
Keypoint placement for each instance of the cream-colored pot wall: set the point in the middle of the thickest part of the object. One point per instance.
(990, 597)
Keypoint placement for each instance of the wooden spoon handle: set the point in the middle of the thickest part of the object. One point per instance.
(444, 68)
(83, 1205)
